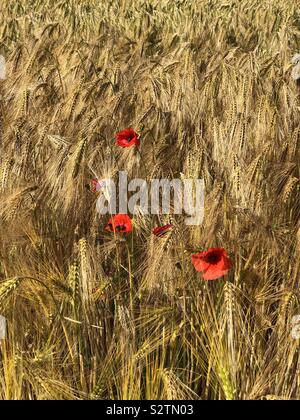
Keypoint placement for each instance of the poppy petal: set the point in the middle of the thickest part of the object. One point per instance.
(213, 263)
(162, 230)
(199, 263)
(120, 223)
(127, 138)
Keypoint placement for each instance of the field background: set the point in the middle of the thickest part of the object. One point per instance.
(207, 84)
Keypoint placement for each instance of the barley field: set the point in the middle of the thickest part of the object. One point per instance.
(207, 86)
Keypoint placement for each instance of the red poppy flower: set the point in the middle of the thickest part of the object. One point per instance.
(120, 223)
(96, 185)
(213, 263)
(161, 230)
(127, 138)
